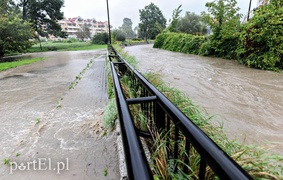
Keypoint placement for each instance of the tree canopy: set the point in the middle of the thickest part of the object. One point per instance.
(224, 20)
(15, 34)
(175, 19)
(43, 15)
(222, 16)
(152, 21)
(261, 41)
(191, 23)
(127, 27)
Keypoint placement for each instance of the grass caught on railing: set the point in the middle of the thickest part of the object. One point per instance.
(110, 114)
(257, 162)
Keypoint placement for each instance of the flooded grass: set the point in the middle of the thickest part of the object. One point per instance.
(8, 65)
(65, 46)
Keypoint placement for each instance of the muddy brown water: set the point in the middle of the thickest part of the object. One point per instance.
(249, 102)
(67, 137)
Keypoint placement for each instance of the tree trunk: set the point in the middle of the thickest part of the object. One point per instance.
(25, 3)
(39, 43)
(1, 53)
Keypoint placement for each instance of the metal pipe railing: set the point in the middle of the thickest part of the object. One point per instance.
(137, 165)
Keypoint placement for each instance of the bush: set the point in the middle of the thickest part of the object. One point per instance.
(261, 42)
(137, 39)
(185, 43)
(100, 38)
(121, 36)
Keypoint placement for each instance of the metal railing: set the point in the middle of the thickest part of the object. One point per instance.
(164, 117)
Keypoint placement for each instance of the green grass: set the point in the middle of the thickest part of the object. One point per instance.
(8, 65)
(65, 46)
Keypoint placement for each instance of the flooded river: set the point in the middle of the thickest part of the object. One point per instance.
(249, 102)
(49, 129)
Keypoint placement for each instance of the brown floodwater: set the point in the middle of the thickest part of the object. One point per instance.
(43, 119)
(249, 102)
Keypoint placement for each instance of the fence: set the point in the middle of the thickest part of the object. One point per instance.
(162, 117)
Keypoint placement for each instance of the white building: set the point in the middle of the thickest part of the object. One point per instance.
(72, 25)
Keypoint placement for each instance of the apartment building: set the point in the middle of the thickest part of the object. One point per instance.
(73, 25)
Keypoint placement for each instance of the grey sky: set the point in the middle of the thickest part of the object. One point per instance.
(119, 9)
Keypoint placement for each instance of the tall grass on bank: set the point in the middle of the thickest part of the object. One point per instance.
(257, 162)
(8, 65)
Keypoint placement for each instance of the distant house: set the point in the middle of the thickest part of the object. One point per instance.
(73, 25)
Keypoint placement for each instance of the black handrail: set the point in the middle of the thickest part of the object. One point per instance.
(137, 165)
(211, 154)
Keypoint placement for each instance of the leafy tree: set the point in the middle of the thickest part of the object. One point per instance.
(152, 21)
(118, 35)
(191, 23)
(84, 32)
(5, 5)
(222, 16)
(121, 37)
(262, 38)
(224, 21)
(43, 15)
(175, 19)
(100, 38)
(15, 34)
(127, 27)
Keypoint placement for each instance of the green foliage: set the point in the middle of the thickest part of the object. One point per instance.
(15, 35)
(224, 21)
(127, 28)
(44, 12)
(66, 46)
(100, 38)
(191, 23)
(118, 35)
(185, 43)
(110, 114)
(258, 43)
(152, 22)
(175, 19)
(121, 37)
(261, 42)
(8, 65)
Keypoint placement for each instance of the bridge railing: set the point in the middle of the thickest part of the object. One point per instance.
(182, 135)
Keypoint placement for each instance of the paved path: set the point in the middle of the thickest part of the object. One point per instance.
(67, 141)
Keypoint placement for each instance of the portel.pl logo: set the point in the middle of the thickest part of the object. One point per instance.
(40, 164)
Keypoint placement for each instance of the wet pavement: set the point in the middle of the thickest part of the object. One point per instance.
(249, 102)
(50, 115)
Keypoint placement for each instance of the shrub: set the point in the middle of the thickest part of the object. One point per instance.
(100, 38)
(121, 36)
(261, 42)
(179, 42)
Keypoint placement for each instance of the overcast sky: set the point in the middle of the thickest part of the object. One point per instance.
(119, 9)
